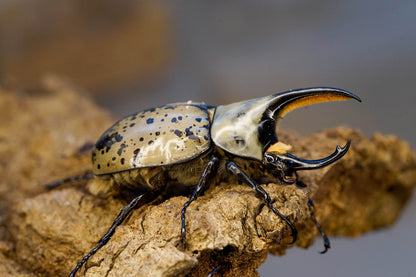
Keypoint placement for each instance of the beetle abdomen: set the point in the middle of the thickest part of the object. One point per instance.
(178, 175)
(156, 137)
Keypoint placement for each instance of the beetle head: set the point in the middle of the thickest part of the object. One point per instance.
(248, 129)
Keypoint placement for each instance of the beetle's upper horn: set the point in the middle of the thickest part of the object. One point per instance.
(284, 102)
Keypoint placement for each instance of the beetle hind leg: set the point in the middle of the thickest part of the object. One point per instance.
(237, 171)
(124, 213)
(57, 183)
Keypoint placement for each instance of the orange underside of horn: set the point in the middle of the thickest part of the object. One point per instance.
(309, 100)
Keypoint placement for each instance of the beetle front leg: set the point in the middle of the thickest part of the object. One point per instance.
(327, 245)
(237, 171)
(209, 168)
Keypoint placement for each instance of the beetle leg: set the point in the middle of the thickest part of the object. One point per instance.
(124, 213)
(327, 245)
(209, 168)
(57, 183)
(237, 171)
(215, 270)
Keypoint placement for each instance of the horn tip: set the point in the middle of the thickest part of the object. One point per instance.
(345, 147)
(347, 94)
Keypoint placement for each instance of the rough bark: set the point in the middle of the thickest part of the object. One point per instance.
(45, 137)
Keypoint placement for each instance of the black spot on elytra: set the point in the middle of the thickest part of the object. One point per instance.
(173, 120)
(190, 134)
(198, 119)
(136, 153)
(122, 161)
(205, 137)
(206, 126)
(120, 150)
(133, 117)
(188, 131)
(150, 142)
(98, 166)
(240, 114)
(180, 117)
(149, 121)
(131, 125)
(113, 158)
(168, 107)
(178, 133)
(162, 119)
(108, 140)
(141, 139)
(157, 133)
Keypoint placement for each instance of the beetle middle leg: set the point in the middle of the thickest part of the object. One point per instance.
(124, 213)
(237, 171)
(208, 170)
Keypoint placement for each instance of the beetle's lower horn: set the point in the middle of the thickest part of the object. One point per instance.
(289, 163)
(302, 164)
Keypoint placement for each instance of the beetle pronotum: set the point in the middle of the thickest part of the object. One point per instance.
(185, 143)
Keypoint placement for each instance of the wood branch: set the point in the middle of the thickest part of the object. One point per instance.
(44, 137)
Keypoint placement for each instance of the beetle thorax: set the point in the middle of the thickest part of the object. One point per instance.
(235, 127)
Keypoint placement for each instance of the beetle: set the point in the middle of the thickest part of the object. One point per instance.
(186, 144)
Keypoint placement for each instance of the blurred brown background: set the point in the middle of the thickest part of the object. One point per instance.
(130, 55)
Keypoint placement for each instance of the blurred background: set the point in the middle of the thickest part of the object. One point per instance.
(130, 55)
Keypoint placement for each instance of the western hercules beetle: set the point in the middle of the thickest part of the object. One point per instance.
(186, 143)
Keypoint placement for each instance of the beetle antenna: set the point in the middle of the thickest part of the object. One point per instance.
(327, 245)
(57, 183)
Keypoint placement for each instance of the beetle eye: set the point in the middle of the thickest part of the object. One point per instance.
(270, 159)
